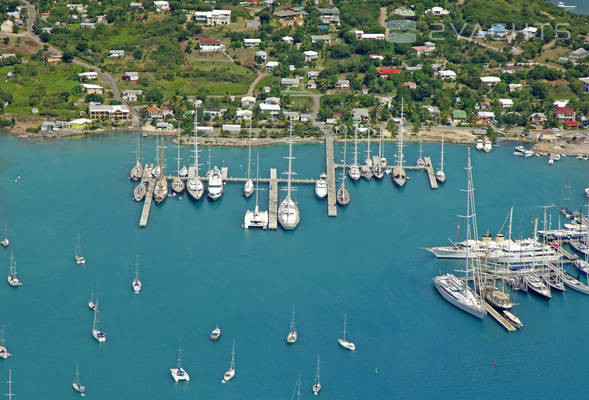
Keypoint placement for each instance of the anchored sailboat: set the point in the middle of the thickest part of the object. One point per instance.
(440, 175)
(4, 354)
(248, 188)
(78, 387)
(230, 373)
(378, 169)
(194, 185)
(12, 278)
(346, 344)
(343, 196)
(93, 305)
(136, 285)
(288, 211)
(80, 260)
(292, 333)
(354, 171)
(5, 242)
(317, 384)
(177, 182)
(179, 373)
(256, 218)
(137, 170)
(399, 174)
(366, 169)
(99, 335)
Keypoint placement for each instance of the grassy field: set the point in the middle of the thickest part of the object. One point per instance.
(20, 46)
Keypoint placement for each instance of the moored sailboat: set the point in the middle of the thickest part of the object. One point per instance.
(12, 278)
(366, 169)
(378, 168)
(78, 387)
(194, 185)
(317, 385)
(292, 333)
(256, 218)
(354, 171)
(137, 170)
(440, 175)
(288, 211)
(230, 373)
(177, 183)
(139, 191)
(99, 335)
(179, 373)
(399, 174)
(160, 191)
(248, 187)
(346, 344)
(343, 196)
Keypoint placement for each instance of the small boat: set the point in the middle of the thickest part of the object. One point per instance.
(515, 321)
(346, 344)
(215, 184)
(183, 172)
(4, 354)
(136, 285)
(321, 186)
(139, 192)
(80, 260)
(215, 333)
(160, 192)
(256, 218)
(487, 145)
(317, 384)
(528, 153)
(520, 148)
(230, 373)
(12, 278)
(136, 172)
(538, 287)
(564, 6)
(248, 187)
(292, 333)
(99, 335)
(479, 145)
(91, 303)
(586, 195)
(555, 282)
(518, 154)
(550, 161)
(78, 387)
(179, 373)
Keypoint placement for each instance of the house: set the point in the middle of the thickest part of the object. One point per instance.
(244, 114)
(132, 94)
(434, 112)
(483, 105)
(360, 115)
(214, 113)
(272, 100)
(305, 117)
(87, 25)
(437, 11)
(447, 74)
(290, 82)
(360, 35)
(113, 112)
(458, 116)
(131, 76)
(292, 115)
(116, 53)
(329, 15)
(46, 30)
(311, 84)
(161, 6)
(404, 12)
(506, 103)
(54, 59)
(288, 39)
(497, 31)
(538, 118)
(92, 89)
(385, 72)
(578, 54)
(571, 124)
(136, 5)
(207, 45)
(342, 84)
(410, 85)
(49, 126)
(164, 126)
(233, 128)
(509, 69)
(272, 109)
(490, 80)
(325, 39)
(485, 118)
(270, 65)
(248, 101)
(75, 7)
(529, 31)
(291, 17)
(251, 42)
(213, 17)
(376, 57)
(80, 123)
(154, 112)
(310, 55)
(423, 50)
(88, 76)
(101, 19)
(261, 56)
(515, 87)
(564, 114)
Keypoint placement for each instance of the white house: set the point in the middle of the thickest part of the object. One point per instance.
(312, 74)
(490, 80)
(515, 87)
(131, 94)
(447, 74)
(272, 100)
(90, 76)
(310, 55)
(92, 89)
(506, 103)
(529, 31)
(243, 114)
(326, 39)
(272, 109)
(270, 65)
(248, 101)
(161, 6)
(368, 36)
(437, 11)
(251, 42)
(290, 82)
(214, 17)
(329, 15)
(288, 39)
(210, 45)
(116, 53)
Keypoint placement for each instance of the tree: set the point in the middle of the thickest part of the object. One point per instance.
(154, 95)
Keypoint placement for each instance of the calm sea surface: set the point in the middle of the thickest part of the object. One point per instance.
(199, 267)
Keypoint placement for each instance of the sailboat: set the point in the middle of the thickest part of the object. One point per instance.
(354, 171)
(292, 333)
(346, 344)
(215, 333)
(420, 160)
(160, 191)
(440, 175)
(215, 183)
(179, 373)
(317, 384)
(230, 373)
(378, 169)
(256, 218)
(80, 260)
(454, 290)
(10, 382)
(156, 170)
(399, 174)
(139, 191)
(288, 211)
(12, 278)
(78, 387)
(177, 182)
(4, 354)
(136, 282)
(343, 196)
(99, 335)
(5, 242)
(137, 170)
(93, 305)
(248, 188)
(194, 185)
(366, 169)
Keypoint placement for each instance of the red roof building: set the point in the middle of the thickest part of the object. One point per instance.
(564, 114)
(571, 124)
(385, 72)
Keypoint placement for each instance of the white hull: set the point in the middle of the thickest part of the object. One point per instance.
(248, 188)
(474, 310)
(99, 335)
(347, 345)
(354, 172)
(215, 185)
(288, 214)
(255, 219)
(136, 285)
(321, 188)
(179, 374)
(230, 374)
(399, 176)
(195, 188)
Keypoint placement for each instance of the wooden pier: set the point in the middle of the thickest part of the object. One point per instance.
(329, 163)
(272, 200)
(147, 203)
(499, 318)
(433, 182)
(566, 254)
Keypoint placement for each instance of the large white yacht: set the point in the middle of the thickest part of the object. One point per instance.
(215, 184)
(459, 294)
(194, 185)
(321, 186)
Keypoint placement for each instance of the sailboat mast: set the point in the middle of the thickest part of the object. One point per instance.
(368, 145)
(400, 141)
(178, 158)
(344, 168)
(257, 177)
(10, 394)
(232, 366)
(345, 322)
(420, 145)
(510, 220)
(162, 163)
(355, 146)
(196, 137)
(380, 145)
(442, 158)
(289, 160)
(318, 369)
(249, 153)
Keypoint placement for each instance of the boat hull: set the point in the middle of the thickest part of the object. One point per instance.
(475, 313)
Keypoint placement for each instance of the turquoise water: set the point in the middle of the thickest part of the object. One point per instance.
(198, 266)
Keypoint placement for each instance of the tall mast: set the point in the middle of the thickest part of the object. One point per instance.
(345, 322)
(138, 147)
(368, 146)
(318, 369)
(179, 360)
(257, 177)
(355, 145)
(344, 168)
(420, 146)
(289, 160)
(510, 220)
(249, 153)
(162, 162)
(292, 319)
(10, 394)
(442, 158)
(196, 138)
(232, 366)
(157, 150)
(400, 141)
(178, 158)
(380, 145)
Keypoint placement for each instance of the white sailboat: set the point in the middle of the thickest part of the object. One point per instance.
(292, 333)
(12, 278)
(99, 335)
(366, 169)
(230, 373)
(256, 218)
(160, 191)
(177, 183)
(354, 171)
(440, 175)
(420, 161)
(399, 174)
(215, 181)
(488, 145)
(5, 242)
(248, 187)
(346, 344)
(343, 196)
(378, 169)
(137, 170)
(80, 259)
(4, 354)
(78, 387)
(136, 285)
(194, 185)
(179, 373)
(317, 384)
(93, 305)
(156, 171)
(288, 211)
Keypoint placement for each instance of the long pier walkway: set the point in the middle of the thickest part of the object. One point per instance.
(430, 172)
(272, 200)
(147, 203)
(499, 318)
(331, 199)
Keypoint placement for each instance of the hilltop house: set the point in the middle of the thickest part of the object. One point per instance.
(131, 76)
(447, 74)
(506, 103)
(385, 72)
(310, 55)
(485, 118)
(578, 54)
(161, 6)
(515, 87)
(537, 118)
(270, 65)
(342, 84)
(360, 35)
(251, 42)
(213, 17)
(116, 53)
(248, 101)
(329, 15)
(290, 82)
(437, 11)
(89, 76)
(92, 89)
(210, 45)
(132, 94)
(360, 115)
(291, 16)
(564, 114)
(326, 39)
(490, 80)
(272, 109)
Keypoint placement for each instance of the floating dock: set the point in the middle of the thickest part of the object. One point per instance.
(147, 203)
(272, 200)
(499, 318)
(329, 164)
(433, 182)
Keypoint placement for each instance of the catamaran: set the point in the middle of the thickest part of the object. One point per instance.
(177, 183)
(366, 169)
(321, 186)
(78, 387)
(343, 196)
(256, 218)
(194, 185)
(136, 285)
(399, 174)
(288, 211)
(458, 292)
(99, 335)
(354, 171)
(80, 260)
(292, 333)
(160, 191)
(248, 188)
(179, 373)
(4, 354)
(440, 175)
(12, 278)
(346, 344)
(317, 384)
(230, 373)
